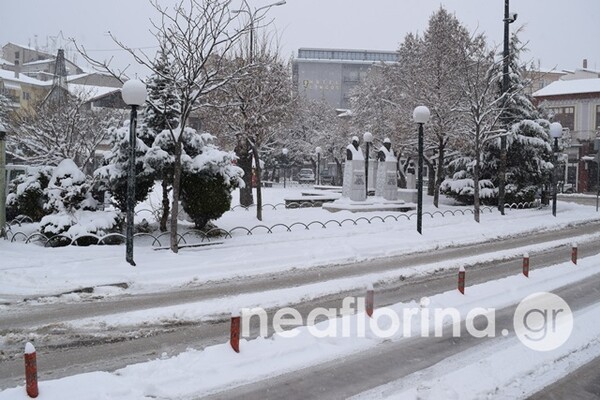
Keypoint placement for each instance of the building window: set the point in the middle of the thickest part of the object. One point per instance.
(17, 55)
(598, 118)
(564, 115)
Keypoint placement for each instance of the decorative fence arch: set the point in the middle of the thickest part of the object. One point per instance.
(160, 241)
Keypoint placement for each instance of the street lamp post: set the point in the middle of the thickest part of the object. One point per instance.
(285, 161)
(508, 19)
(420, 116)
(367, 138)
(134, 95)
(556, 133)
(2, 181)
(251, 15)
(318, 150)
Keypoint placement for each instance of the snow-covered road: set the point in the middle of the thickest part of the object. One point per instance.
(172, 302)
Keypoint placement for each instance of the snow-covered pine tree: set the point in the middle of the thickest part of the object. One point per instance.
(529, 154)
(73, 208)
(69, 190)
(161, 113)
(528, 147)
(113, 173)
(27, 194)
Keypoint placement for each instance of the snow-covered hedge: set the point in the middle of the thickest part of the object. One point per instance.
(27, 194)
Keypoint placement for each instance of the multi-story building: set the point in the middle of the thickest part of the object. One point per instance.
(575, 103)
(331, 74)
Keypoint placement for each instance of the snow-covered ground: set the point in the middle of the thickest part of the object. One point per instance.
(29, 270)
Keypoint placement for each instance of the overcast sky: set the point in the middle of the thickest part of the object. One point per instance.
(560, 33)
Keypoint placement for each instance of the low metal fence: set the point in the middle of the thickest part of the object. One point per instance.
(163, 238)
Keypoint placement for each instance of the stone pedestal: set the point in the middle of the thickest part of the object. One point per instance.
(354, 180)
(411, 181)
(373, 176)
(408, 195)
(387, 184)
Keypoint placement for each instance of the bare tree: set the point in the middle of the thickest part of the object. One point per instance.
(481, 107)
(263, 100)
(314, 123)
(53, 131)
(197, 35)
(428, 73)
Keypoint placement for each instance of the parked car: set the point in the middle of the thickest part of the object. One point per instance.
(306, 175)
(326, 178)
(567, 188)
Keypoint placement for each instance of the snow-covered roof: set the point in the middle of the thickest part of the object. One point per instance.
(10, 76)
(46, 61)
(89, 92)
(575, 86)
(5, 62)
(86, 74)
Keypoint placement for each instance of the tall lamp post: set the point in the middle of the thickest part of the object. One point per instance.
(318, 150)
(134, 95)
(2, 180)
(285, 162)
(251, 15)
(509, 18)
(420, 116)
(556, 133)
(367, 138)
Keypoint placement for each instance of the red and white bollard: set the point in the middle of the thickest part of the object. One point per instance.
(370, 300)
(31, 379)
(234, 339)
(526, 264)
(574, 253)
(461, 279)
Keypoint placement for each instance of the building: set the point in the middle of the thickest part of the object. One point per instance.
(575, 103)
(27, 76)
(331, 74)
(21, 90)
(540, 78)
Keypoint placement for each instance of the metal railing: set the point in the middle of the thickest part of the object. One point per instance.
(60, 240)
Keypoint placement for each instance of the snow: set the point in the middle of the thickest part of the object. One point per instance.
(263, 253)
(469, 376)
(575, 86)
(89, 92)
(28, 271)
(7, 75)
(29, 348)
(221, 368)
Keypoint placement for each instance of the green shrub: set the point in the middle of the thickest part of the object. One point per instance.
(204, 196)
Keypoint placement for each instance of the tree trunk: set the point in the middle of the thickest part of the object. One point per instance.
(339, 179)
(439, 174)
(164, 218)
(175, 203)
(313, 163)
(258, 183)
(430, 177)
(245, 163)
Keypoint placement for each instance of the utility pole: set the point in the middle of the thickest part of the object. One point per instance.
(508, 19)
